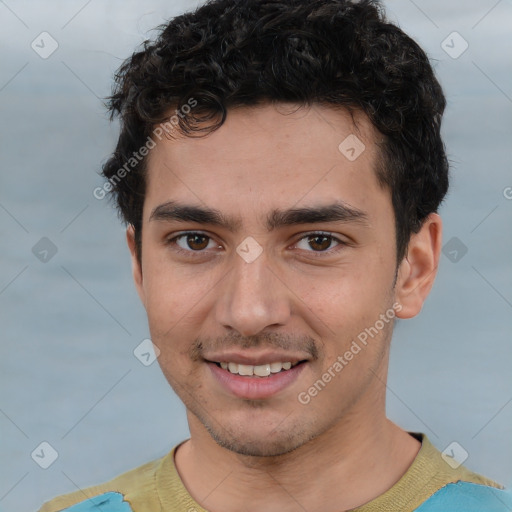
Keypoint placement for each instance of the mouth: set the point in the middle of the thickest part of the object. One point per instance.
(255, 381)
(260, 370)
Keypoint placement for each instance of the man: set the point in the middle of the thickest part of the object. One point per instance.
(280, 167)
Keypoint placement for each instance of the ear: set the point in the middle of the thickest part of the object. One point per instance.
(418, 269)
(136, 264)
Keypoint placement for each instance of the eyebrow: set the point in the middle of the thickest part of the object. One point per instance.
(336, 212)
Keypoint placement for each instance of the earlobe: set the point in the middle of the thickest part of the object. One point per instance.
(418, 269)
(136, 263)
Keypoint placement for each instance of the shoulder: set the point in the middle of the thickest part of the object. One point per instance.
(106, 502)
(130, 488)
(452, 487)
(433, 477)
(468, 497)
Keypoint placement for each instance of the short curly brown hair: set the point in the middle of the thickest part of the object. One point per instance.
(231, 53)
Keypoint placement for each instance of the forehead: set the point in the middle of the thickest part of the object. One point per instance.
(270, 156)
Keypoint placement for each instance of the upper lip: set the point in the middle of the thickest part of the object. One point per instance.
(254, 359)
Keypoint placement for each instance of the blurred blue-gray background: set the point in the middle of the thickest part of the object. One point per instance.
(70, 320)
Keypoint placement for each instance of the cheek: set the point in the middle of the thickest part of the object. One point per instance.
(347, 303)
(178, 299)
(348, 297)
(168, 287)
(168, 296)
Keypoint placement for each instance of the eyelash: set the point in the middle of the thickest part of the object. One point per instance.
(316, 254)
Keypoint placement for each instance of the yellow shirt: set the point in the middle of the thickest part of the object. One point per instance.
(157, 486)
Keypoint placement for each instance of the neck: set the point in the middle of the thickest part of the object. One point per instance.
(341, 469)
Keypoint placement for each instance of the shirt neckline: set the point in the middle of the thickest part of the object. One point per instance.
(174, 495)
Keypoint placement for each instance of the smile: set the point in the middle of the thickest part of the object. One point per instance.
(255, 382)
(261, 370)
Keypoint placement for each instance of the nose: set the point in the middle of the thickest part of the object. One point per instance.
(251, 298)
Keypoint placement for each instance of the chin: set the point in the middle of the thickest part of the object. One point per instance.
(256, 447)
(257, 442)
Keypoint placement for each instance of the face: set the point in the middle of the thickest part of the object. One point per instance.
(263, 243)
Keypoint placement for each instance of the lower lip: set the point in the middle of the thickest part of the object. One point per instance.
(256, 388)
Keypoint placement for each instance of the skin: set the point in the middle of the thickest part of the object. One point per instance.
(339, 451)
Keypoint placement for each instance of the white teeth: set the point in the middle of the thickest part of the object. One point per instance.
(261, 370)
(245, 369)
(276, 367)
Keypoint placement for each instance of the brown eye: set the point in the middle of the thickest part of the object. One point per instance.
(320, 242)
(197, 242)
(192, 242)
